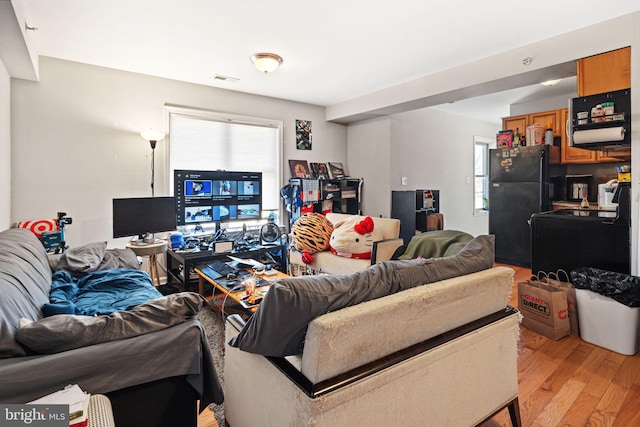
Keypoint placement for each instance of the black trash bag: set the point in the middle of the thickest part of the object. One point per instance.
(619, 286)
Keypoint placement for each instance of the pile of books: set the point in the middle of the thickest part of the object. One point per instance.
(73, 396)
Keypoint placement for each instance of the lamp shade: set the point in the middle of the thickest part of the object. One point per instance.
(152, 135)
(266, 62)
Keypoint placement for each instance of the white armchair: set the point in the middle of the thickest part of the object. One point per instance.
(327, 262)
(442, 354)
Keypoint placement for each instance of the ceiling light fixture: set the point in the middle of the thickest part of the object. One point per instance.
(266, 62)
(551, 82)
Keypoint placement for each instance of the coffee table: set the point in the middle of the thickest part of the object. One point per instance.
(220, 292)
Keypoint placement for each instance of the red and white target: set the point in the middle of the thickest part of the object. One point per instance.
(40, 226)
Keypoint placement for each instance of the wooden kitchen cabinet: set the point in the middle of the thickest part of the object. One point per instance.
(545, 118)
(571, 154)
(558, 121)
(515, 123)
(548, 119)
(617, 156)
(607, 72)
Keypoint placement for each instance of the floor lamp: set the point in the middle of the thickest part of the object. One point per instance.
(153, 137)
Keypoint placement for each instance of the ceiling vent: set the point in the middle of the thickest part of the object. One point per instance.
(222, 78)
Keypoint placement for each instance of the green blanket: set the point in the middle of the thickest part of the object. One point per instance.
(436, 244)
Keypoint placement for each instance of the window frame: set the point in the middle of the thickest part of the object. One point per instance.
(486, 144)
(204, 114)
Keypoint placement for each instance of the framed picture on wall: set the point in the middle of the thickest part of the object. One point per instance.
(299, 169)
(336, 170)
(303, 134)
(319, 170)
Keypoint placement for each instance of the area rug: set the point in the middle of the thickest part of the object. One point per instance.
(214, 328)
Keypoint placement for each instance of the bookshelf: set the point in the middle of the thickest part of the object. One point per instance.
(340, 195)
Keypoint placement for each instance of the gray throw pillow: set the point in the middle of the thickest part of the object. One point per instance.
(64, 332)
(119, 258)
(279, 326)
(80, 260)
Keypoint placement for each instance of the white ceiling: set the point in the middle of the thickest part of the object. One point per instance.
(333, 50)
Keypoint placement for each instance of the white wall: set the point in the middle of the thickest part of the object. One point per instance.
(434, 150)
(76, 142)
(5, 148)
(369, 154)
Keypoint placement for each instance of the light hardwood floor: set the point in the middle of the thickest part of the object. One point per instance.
(568, 382)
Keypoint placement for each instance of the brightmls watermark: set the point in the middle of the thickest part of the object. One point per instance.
(12, 415)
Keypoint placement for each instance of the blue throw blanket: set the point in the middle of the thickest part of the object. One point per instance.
(99, 292)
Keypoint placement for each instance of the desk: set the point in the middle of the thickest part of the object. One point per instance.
(152, 250)
(181, 264)
(235, 296)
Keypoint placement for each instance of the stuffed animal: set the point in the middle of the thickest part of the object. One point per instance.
(353, 237)
(310, 234)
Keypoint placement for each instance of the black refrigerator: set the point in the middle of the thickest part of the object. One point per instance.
(520, 185)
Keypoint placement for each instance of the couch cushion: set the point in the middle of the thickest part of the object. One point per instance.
(279, 326)
(65, 332)
(25, 280)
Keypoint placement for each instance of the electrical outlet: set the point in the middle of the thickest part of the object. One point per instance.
(404, 180)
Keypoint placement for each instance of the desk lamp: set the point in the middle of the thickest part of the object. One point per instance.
(153, 137)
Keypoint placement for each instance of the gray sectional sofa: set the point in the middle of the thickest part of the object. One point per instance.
(152, 360)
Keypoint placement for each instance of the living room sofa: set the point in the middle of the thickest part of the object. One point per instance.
(152, 360)
(439, 348)
(327, 262)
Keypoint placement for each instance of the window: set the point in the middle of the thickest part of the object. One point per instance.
(481, 148)
(205, 140)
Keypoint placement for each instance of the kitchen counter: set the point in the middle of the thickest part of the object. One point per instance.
(573, 205)
(567, 239)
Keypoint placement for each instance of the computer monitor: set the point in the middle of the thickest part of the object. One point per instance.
(143, 215)
(217, 196)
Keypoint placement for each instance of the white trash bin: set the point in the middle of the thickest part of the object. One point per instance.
(607, 323)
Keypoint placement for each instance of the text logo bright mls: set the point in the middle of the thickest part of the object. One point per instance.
(34, 415)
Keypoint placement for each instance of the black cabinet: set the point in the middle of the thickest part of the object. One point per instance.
(412, 209)
(567, 239)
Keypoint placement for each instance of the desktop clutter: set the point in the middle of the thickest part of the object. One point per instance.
(231, 257)
(220, 241)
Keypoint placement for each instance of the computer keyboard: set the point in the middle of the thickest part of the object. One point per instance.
(219, 269)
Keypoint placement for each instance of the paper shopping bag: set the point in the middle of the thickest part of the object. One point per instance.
(544, 309)
(559, 281)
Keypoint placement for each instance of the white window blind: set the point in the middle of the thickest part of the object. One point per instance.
(208, 142)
